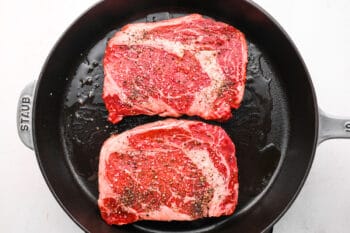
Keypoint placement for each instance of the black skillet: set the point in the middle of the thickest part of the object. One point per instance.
(276, 130)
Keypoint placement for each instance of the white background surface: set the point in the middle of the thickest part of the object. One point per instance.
(29, 29)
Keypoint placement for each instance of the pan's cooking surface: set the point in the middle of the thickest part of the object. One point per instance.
(257, 128)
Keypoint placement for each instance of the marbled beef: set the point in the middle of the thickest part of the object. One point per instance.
(167, 170)
(183, 66)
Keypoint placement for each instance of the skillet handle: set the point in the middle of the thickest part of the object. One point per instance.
(332, 127)
(24, 115)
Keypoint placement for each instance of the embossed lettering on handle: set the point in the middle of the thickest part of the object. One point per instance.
(347, 126)
(25, 109)
(24, 115)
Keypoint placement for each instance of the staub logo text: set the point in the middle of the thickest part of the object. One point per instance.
(25, 113)
(347, 126)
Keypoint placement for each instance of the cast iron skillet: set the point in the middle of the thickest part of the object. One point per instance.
(276, 130)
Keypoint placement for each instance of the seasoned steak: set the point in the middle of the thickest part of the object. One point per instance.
(167, 170)
(183, 66)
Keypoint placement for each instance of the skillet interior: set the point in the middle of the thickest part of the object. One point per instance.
(271, 120)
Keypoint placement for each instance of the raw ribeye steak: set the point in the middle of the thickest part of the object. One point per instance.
(189, 65)
(167, 170)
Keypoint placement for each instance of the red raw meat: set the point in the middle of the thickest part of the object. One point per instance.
(189, 65)
(167, 170)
